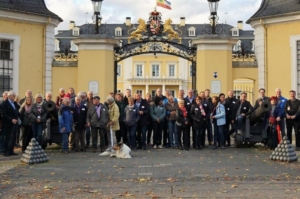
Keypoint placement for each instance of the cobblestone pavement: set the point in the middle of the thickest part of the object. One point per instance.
(154, 173)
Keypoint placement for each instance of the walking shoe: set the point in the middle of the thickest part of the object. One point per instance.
(144, 147)
(210, 143)
(154, 147)
(160, 146)
(223, 147)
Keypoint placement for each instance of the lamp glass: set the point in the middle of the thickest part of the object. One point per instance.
(97, 6)
(213, 6)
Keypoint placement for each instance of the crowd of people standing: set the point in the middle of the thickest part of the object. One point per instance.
(181, 123)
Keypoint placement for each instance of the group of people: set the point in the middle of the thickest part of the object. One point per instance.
(131, 119)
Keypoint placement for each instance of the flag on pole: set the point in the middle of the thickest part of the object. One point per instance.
(164, 3)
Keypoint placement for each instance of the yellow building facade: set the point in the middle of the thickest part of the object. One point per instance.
(277, 45)
(26, 45)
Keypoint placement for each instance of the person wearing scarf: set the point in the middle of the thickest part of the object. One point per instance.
(182, 121)
(26, 124)
(218, 117)
(198, 115)
(65, 119)
(38, 117)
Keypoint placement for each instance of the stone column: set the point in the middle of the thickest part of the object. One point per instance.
(214, 57)
(147, 89)
(96, 64)
(163, 89)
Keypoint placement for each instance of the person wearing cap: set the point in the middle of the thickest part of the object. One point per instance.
(97, 118)
(292, 111)
(272, 122)
(38, 117)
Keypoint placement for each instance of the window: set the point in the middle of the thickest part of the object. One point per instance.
(74, 47)
(153, 93)
(172, 92)
(118, 33)
(191, 32)
(139, 70)
(235, 32)
(155, 70)
(6, 65)
(140, 92)
(119, 74)
(172, 70)
(76, 32)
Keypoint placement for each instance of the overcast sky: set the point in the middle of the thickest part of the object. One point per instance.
(115, 11)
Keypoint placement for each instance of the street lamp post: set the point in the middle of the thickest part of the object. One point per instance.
(213, 6)
(97, 10)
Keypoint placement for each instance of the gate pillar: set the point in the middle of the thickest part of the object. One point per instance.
(214, 63)
(96, 64)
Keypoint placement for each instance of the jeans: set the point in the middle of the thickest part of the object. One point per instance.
(65, 141)
(142, 135)
(131, 130)
(219, 134)
(37, 130)
(240, 122)
(87, 135)
(173, 138)
(183, 132)
(198, 137)
(157, 132)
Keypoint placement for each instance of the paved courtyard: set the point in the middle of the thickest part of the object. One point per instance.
(154, 173)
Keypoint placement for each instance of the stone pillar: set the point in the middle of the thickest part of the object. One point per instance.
(214, 57)
(96, 64)
(147, 89)
(163, 88)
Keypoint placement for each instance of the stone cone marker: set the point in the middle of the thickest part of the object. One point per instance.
(34, 153)
(284, 151)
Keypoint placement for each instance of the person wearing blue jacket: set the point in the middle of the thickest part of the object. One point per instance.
(281, 118)
(65, 119)
(218, 117)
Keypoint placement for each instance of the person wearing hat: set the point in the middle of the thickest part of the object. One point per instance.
(97, 119)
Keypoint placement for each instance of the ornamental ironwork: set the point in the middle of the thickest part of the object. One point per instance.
(154, 29)
(65, 55)
(243, 54)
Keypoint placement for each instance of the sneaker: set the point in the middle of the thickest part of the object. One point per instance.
(154, 147)
(160, 146)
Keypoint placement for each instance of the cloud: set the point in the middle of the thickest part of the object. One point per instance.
(115, 11)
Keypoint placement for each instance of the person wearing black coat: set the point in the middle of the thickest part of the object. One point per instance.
(199, 116)
(189, 100)
(182, 121)
(10, 116)
(143, 123)
(241, 109)
(229, 104)
(207, 102)
(79, 120)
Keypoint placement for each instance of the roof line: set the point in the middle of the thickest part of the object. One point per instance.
(264, 4)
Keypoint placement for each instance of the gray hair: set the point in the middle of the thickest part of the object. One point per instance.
(61, 89)
(4, 93)
(110, 99)
(65, 99)
(9, 93)
(78, 97)
(181, 102)
(48, 93)
(38, 95)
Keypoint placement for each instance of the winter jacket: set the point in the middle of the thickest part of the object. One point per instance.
(180, 119)
(121, 106)
(229, 106)
(292, 108)
(65, 119)
(188, 104)
(131, 116)
(146, 111)
(220, 115)
(158, 112)
(93, 119)
(281, 103)
(114, 115)
(34, 113)
(24, 116)
(246, 108)
(171, 108)
(197, 116)
(79, 119)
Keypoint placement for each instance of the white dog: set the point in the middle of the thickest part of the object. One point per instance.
(119, 151)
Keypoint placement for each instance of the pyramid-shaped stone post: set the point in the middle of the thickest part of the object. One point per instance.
(34, 153)
(284, 152)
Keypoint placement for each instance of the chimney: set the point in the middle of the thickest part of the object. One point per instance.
(182, 21)
(240, 25)
(128, 21)
(71, 25)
